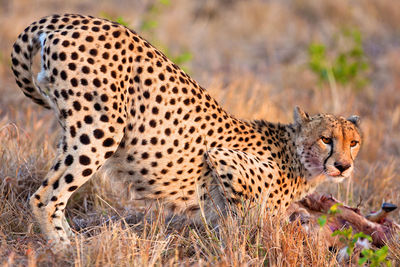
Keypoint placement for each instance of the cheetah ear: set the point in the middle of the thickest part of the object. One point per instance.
(354, 119)
(300, 117)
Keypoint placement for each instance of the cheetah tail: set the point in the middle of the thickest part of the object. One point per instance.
(24, 49)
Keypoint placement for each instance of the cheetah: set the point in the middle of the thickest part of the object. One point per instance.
(127, 110)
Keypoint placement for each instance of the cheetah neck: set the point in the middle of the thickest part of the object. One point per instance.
(282, 138)
(309, 181)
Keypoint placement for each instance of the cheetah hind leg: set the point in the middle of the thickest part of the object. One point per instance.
(78, 166)
(242, 176)
(42, 195)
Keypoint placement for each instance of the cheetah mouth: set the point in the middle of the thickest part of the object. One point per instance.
(336, 174)
(335, 177)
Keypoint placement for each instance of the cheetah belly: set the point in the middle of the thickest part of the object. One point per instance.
(142, 170)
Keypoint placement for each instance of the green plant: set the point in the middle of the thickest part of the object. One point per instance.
(323, 219)
(375, 257)
(346, 236)
(147, 27)
(150, 22)
(122, 21)
(348, 65)
(372, 257)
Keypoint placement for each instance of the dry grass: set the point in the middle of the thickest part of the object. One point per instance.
(251, 55)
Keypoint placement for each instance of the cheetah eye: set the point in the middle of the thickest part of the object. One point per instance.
(326, 140)
(353, 143)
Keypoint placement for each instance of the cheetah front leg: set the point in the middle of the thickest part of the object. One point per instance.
(243, 176)
(81, 155)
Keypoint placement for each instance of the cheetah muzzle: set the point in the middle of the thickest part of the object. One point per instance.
(128, 111)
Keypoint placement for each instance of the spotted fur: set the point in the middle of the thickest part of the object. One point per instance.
(129, 111)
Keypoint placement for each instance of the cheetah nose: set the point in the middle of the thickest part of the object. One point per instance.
(342, 166)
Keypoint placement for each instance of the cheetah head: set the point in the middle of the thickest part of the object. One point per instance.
(327, 144)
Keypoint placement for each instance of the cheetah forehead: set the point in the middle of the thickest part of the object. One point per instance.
(332, 125)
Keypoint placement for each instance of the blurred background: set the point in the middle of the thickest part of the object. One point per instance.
(257, 58)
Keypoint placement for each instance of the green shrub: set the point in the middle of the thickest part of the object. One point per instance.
(373, 257)
(348, 65)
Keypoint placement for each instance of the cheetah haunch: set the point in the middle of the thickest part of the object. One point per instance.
(124, 106)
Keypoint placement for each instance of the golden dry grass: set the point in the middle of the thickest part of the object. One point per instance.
(251, 55)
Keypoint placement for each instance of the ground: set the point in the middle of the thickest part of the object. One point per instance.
(252, 57)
